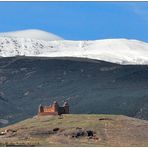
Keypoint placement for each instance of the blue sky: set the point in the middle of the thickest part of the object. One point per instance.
(78, 20)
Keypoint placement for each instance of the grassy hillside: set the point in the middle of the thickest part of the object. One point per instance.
(76, 130)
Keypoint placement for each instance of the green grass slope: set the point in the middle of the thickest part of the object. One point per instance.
(76, 130)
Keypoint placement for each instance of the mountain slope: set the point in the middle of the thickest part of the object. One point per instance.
(91, 86)
(121, 51)
(76, 130)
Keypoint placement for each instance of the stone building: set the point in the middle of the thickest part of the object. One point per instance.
(54, 109)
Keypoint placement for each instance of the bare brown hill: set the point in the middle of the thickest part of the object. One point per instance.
(76, 130)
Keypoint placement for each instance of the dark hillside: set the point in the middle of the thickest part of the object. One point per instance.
(90, 86)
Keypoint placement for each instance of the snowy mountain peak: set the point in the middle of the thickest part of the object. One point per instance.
(121, 51)
(33, 34)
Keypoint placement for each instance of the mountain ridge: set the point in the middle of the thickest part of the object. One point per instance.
(120, 51)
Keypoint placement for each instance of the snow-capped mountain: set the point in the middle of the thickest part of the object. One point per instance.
(121, 51)
(33, 34)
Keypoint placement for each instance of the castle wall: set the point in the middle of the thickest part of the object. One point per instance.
(61, 110)
(48, 109)
(53, 110)
(47, 113)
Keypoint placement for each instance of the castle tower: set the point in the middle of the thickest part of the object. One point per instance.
(56, 106)
(41, 109)
(66, 107)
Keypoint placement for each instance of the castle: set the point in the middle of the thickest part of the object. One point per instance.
(54, 109)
